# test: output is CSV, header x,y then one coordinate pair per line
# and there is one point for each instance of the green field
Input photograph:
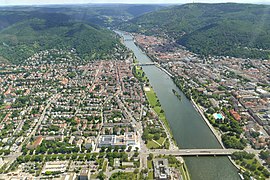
x,y
122,175
151,175
153,101
152,145
149,164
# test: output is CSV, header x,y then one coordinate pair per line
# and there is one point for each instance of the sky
x,y
42,2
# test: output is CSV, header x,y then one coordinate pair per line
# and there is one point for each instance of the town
x,y
231,94
65,118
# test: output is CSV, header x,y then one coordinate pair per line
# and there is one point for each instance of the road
x,y
193,152
12,157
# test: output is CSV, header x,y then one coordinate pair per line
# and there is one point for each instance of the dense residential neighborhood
x,y
79,119
134,90
231,93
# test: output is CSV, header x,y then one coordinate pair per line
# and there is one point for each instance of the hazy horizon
x,y
59,2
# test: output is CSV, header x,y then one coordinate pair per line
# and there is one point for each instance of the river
x,y
188,127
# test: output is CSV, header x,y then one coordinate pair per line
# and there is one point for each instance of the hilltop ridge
x,y
230,29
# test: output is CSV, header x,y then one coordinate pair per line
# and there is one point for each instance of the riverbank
x,y
217,135
152,99
189,130
154,103
159,112
213,130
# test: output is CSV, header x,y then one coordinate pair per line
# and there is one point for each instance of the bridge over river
x,y
194,152
145,64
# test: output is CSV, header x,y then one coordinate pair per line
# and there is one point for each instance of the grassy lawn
x,y
151,96
124,175
140,74
151,175
249,164
153,100
149,164
152,145
104,166
94,176
161,140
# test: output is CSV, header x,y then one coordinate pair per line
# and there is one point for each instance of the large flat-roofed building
x,y
84,174
106,140
161,169
54,166
128,139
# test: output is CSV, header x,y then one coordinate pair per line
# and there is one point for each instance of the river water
x,y
188,127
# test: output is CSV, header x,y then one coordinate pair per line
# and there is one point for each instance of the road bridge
x,y
144,64
195,152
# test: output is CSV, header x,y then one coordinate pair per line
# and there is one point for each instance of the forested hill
x,y
25,30
99,14
240,30
23,39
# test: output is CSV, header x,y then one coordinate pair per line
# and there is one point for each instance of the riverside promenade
x,y
214,131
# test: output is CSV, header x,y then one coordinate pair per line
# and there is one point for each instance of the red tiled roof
x,y
235,115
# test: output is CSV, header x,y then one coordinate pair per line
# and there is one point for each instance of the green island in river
x,y
176,94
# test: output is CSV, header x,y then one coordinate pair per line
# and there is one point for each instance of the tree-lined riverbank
x,y
188,128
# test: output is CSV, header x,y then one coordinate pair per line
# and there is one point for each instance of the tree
x,y
136,171
47,173
109,149
129,148
264,154
102,149
150,157
136,154
145,170
27,158
101,175
116,148
156,136
266,173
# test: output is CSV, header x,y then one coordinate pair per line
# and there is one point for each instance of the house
x,y
235,115
84,174
36,143
161,169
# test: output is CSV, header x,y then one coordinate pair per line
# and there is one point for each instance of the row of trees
x,y
231,127
249,162
56,147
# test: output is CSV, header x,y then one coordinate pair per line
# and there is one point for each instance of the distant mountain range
x,y
99,14
23,39
230,29
25,30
